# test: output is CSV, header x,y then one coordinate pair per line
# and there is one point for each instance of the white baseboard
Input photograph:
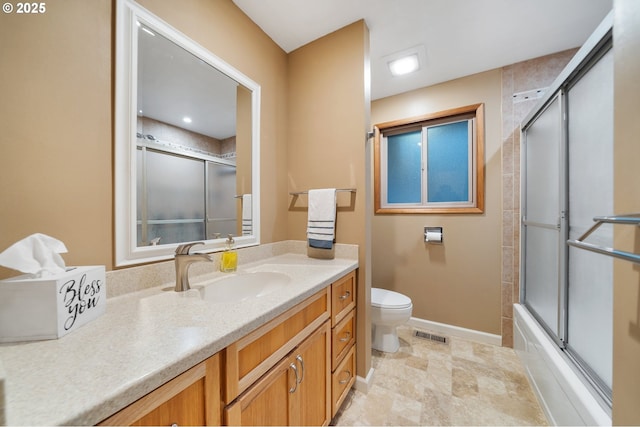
x,y
363,384
456,331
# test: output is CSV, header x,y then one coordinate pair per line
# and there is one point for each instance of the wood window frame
x,y
477,111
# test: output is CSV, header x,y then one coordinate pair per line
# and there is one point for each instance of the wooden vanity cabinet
x,y
294,392
343,332
280,374
193,398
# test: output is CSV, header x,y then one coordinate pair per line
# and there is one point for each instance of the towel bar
x,y
632,219
297,193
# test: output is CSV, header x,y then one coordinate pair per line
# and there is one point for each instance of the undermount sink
x,y
241,286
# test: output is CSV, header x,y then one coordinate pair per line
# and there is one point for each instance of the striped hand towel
x,y
247,221
321,222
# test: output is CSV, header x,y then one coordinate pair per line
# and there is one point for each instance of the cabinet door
x,y
192,398
267,402
294,392
311,400
184,409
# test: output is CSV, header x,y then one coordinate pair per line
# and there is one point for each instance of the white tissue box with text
x,y
50,307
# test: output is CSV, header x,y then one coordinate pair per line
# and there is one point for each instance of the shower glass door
x,y
590,275
221,201
567,176
541,217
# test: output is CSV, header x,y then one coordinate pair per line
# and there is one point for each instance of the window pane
x,y
403,168
448,162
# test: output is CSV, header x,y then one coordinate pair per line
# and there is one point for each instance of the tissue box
x,y
51,307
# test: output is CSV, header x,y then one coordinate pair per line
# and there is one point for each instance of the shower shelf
x,y
631,219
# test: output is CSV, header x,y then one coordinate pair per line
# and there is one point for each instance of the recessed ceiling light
x,y
404,65
186,119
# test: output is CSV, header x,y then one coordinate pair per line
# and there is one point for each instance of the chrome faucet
x,y
183,261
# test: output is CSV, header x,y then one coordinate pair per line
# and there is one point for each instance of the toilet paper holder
x,y
433,235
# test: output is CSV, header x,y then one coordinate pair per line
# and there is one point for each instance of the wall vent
x,y
428,336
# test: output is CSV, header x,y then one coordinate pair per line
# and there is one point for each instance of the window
x,y
431,164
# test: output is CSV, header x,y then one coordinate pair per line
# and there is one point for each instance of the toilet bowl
x,y
388,311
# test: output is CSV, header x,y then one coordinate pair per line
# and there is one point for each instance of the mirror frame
x,y
126,250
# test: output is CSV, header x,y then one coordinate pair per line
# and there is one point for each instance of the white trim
x,y
364,384
126,250
456,331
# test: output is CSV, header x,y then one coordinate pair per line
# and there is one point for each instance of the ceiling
x,y
173,84
457,37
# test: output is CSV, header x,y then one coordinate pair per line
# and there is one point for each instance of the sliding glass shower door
x,y
567,176
541,216
590,275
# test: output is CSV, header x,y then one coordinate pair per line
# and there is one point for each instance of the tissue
x,y
38,255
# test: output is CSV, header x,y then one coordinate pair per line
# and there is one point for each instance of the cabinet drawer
x,y
342,380
343,336
251,356
343,297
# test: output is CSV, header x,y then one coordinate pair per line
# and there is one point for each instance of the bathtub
x,y
563,395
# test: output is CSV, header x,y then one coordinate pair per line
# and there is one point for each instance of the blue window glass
x,y
448,162
404,160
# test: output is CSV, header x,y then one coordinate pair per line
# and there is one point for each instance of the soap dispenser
x,y
229,260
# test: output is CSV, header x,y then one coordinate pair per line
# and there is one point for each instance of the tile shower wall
x,y
520,85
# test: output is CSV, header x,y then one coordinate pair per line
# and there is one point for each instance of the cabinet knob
x,y
347,336
348,377
344,296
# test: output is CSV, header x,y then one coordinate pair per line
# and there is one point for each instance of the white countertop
x,y
143,340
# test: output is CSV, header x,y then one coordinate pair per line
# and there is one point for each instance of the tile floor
x,y
429,383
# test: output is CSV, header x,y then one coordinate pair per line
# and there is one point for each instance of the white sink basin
x,y
242,286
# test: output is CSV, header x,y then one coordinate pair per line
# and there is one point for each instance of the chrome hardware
x,y
299,359
345,296
347,337
296,382
339,190
348,377
183,260
630,219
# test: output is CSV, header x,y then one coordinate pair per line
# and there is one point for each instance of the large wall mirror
x,y
186,143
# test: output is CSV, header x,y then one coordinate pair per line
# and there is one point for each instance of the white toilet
x,y
388,311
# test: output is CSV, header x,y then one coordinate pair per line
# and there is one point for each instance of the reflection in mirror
x,y
190,138
186,141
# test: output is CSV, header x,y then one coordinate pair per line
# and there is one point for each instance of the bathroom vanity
x,y
163,357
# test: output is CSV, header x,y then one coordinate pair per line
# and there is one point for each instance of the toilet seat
x,y
383,298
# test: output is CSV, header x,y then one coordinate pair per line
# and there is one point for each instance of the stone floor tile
x,y
460,382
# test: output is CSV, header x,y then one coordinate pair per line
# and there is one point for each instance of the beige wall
x,y
56,117
458,282
626,291
56,121
328,119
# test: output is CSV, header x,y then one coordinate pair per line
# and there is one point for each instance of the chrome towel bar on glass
x,y
297,193
632,219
